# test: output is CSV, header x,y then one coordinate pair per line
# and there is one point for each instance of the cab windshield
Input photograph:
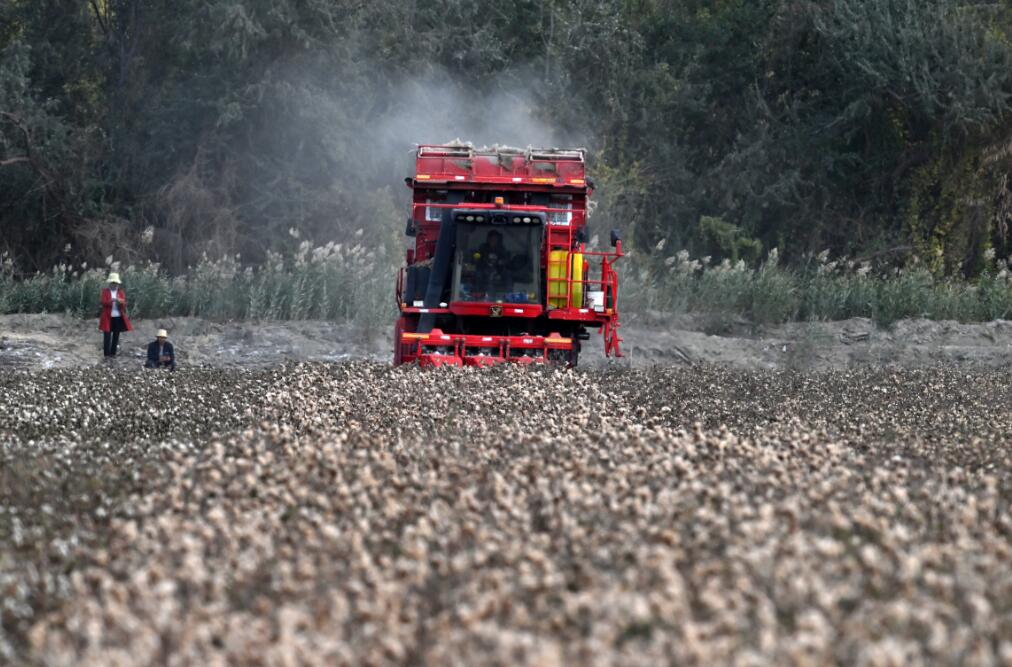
x,y
497,263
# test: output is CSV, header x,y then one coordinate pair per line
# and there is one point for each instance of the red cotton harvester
x,y
499,271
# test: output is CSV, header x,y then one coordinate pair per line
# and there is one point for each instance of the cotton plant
x,y
708,515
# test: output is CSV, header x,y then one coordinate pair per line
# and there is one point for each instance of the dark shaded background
x,y
878,129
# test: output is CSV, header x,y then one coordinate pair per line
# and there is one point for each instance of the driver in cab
x,y
493,264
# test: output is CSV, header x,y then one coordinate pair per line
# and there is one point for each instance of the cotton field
x,y
356,514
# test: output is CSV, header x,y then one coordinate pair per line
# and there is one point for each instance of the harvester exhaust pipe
x,y
440,271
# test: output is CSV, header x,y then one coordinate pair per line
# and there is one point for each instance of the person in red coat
x,y
112,319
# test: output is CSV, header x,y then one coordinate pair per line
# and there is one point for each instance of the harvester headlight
x,y
527,219
480,218
470,218
516,219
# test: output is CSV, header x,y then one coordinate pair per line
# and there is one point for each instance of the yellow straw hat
x,y
113,278
162,333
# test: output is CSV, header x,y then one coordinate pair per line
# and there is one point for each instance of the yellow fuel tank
x,y
557,286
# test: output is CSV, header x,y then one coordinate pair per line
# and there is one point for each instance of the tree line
x,y
170,129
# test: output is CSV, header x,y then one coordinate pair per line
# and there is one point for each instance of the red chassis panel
x,y
439,349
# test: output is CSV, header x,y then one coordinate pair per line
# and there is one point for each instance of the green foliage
x,y
332,282
823,290
727,128
727,240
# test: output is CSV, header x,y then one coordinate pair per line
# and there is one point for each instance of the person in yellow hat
x,y
160,352
112,317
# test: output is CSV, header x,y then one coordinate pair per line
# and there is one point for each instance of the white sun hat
x,y
113,278
162,333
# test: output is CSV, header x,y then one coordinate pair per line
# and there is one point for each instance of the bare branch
x,y
98,17
30,156
20,124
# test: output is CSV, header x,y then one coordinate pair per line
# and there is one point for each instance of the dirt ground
x,y
60,341
853,343
57,341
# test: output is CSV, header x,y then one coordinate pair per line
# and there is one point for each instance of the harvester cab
x,y
499,270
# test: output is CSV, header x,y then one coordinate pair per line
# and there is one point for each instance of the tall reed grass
x,y
354,283
340,282
820,290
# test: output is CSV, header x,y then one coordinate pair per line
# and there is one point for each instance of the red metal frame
x,y
441,349
484,180
464,164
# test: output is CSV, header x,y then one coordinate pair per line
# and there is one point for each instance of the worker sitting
x,y
161,353
493,264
